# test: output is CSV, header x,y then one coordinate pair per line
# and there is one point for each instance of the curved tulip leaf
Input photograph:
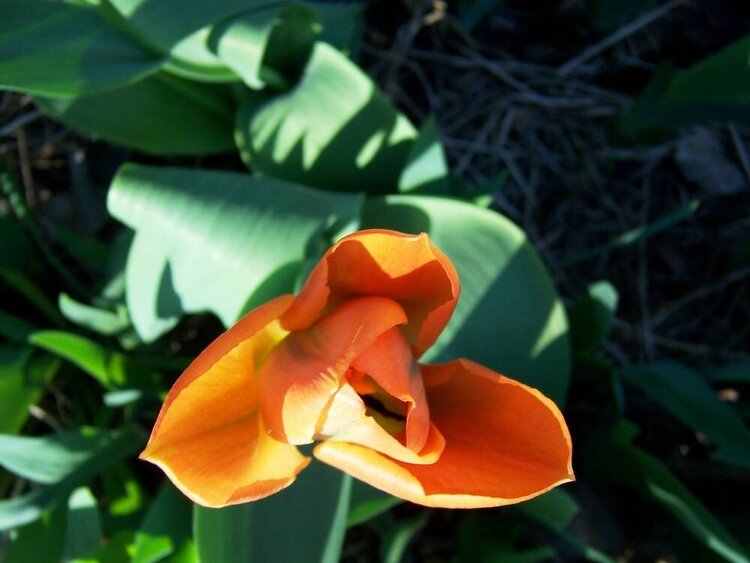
x,y
215,241
591,316
268,45
509,316
344,136
312,512
83,534
161,114
61,49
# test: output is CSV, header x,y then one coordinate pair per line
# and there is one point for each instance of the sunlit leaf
x,y
215,241
83,534
426,169
352,142
509,316
103,321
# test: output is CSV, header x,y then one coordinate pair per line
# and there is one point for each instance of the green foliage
x,y
509,317
718,87
328,153
312,511
215,241
357,142
162,114
62,50
685,394
647,476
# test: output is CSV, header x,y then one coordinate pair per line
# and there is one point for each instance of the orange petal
x,y
406,268
303,373
390,363
504,443
209,438
346,420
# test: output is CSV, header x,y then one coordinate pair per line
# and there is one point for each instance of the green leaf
x,y
83,535
23,378
103,321
591,316
165,527
509,316
336,142
555,509
215,241
716,88
110,368
609,455
686,395
164,23
368,502
48,531
110,448
161,114
59,49
269,45
48,459
426,168
305,522
398,535
735,373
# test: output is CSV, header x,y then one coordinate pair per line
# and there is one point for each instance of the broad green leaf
x,y
83,535
58,49
304,522
351,142
509,316
165,527
48,459
269,45
717,87
368,502
685,394
48,531
426,168
648,476
103,321
116,550
161,114
110,368
114,446
164,23
216,241
22,381
591,316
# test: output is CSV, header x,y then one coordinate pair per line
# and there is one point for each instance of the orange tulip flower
x,y
338,364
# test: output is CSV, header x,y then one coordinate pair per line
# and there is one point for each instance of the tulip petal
x,y
346,420
504,443
389,362
209,438
405,268
301,376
